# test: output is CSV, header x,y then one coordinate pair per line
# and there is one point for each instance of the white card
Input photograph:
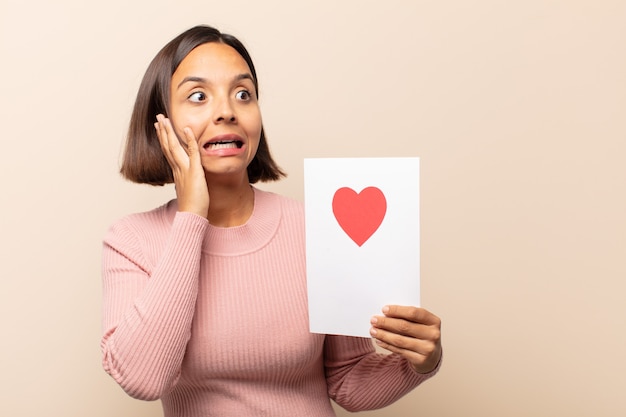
x,y
362,240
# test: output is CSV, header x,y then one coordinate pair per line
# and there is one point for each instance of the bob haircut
x,y
143,160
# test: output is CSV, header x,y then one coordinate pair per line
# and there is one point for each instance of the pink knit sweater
x,y
213,321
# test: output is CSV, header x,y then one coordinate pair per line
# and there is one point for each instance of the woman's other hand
x,y
413,332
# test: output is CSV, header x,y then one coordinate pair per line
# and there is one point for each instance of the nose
x,y
224,112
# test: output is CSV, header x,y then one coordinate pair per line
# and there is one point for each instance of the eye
x,y
197,97
243,95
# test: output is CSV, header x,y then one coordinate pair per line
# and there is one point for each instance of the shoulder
x,y
136,227
151,219
143,236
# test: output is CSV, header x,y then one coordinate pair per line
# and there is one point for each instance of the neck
x,y
230,204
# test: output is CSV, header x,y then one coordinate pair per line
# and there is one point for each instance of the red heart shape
x,y
359,215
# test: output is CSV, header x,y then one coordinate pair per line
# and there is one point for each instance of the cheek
x,y
178,129
257,138
256,126
181,122
254,144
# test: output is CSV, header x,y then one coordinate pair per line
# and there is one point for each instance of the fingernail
x,y
374,320
373,331
386,309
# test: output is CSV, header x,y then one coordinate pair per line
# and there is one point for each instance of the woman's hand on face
x,y
191,187
412,332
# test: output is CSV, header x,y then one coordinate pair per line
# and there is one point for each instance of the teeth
x,y
221,145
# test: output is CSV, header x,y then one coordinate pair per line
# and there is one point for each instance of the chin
x,y
216,172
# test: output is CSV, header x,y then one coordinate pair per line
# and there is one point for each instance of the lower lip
x,y
224,151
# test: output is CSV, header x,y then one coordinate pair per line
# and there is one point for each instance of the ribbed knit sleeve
x,y
148,304
360,379
213,321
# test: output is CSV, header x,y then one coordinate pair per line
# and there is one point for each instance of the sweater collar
x,y
250,236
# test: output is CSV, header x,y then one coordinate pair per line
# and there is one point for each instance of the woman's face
x,y
212,92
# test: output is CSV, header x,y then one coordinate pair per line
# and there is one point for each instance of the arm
x,y
360,379
147,314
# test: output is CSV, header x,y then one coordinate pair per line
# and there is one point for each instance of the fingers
x,y
408,321
417,351
422,356
403,333
414,314
412,332
170,145
183,157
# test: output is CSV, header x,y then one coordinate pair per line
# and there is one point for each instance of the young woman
x,y
205,299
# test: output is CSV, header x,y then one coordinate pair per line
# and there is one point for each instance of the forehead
x,y
212,60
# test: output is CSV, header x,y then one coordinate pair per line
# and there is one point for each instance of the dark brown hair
x,y
143,161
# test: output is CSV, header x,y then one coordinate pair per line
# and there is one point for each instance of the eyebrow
x,y
244,76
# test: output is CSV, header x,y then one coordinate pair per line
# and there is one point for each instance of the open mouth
x,y
226,144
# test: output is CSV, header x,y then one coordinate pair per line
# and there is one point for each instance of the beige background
x,y
515,107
